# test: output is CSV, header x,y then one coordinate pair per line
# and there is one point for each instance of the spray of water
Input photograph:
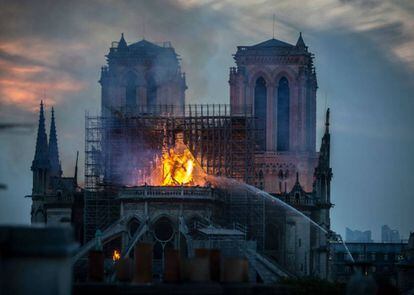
x,y
229,183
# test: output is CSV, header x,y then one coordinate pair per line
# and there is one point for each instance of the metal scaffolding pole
x,y
119,149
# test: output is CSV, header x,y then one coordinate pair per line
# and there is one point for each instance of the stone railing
x,y
167,192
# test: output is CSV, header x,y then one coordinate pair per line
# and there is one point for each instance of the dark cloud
x,y
18,59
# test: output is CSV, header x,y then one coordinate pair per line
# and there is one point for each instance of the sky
x,y
364,57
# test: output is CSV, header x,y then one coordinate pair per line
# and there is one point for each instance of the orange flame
x,y
116,256
178,167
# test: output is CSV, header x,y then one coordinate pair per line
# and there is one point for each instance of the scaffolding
x,y
120,149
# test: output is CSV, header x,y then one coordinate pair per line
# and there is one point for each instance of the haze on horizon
x,y
364,57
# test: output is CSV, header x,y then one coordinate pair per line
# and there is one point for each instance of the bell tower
x,y
141,77
277,80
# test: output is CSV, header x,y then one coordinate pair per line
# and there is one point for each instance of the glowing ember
x,y
116,256
178,167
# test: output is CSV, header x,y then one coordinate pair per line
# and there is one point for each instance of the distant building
x,y
406,267
389,235
358,236
380,259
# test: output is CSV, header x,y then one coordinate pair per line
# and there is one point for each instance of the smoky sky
x,y
364,57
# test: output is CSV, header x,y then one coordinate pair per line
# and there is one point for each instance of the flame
x,y
177,166
116,256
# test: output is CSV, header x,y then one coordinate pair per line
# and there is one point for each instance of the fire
x,y
116,256
178,166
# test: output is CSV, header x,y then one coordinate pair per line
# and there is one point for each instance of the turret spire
x,y
55,169
122,43
300,43
324,154
327,121
41,158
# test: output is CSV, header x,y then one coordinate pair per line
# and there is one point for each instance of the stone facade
x,y
380,259
278,80
141,76
288,74
169,204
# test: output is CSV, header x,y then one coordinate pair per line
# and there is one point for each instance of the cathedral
x,y
155,166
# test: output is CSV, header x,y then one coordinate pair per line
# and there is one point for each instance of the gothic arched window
x,y
260,105
283,100
131,90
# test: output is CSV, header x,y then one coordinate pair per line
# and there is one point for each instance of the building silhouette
x,y
358,236
389,235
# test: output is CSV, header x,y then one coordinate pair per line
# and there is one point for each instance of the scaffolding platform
x,y
119,149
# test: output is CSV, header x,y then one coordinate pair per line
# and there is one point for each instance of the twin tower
x,y
273,79
46,164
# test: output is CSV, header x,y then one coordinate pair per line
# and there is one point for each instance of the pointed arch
x,y
260,111
283,114
260,72
284,72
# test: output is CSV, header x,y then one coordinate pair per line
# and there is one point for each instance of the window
x,y
299,242
260,109
283,108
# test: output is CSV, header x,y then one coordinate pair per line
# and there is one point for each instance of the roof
x,y
144,48
144,44
271,43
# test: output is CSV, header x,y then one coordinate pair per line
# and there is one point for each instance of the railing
x,y
188,110
167,192
164,44
292,200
